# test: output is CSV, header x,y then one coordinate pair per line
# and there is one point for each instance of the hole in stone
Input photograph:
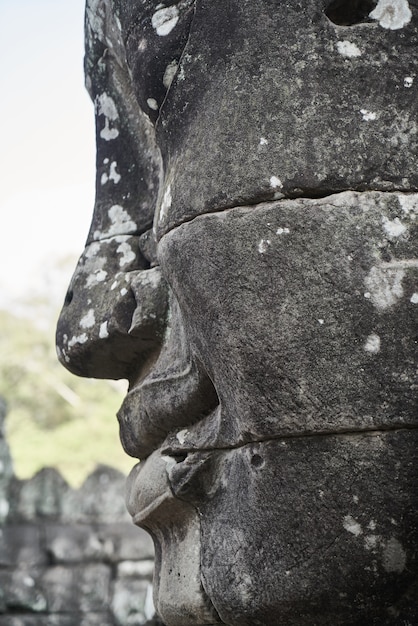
x,y
350,12
257,460
68,297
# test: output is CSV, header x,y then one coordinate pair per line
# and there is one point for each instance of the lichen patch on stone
x,y
103,331
348,49
394,556
393,228
368,116
88,320
372,344
164,20
106,106
263,245
352,526
384,286
392,14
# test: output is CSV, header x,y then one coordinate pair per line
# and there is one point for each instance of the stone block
x,y
129,543
75,543
79,588
21,544
99,499
104,542
22,589
40,497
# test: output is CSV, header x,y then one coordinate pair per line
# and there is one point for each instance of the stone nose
x,y
113,319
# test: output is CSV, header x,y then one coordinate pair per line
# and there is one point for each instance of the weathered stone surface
x,y
339,510
273,98
313,310
268,328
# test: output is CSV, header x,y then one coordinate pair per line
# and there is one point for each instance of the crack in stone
x,y
171,451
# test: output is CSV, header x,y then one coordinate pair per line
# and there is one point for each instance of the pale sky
x,y
47,153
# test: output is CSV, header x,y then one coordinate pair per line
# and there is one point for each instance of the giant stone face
x,y
251,268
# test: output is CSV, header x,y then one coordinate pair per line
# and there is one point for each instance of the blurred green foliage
x,y
55,418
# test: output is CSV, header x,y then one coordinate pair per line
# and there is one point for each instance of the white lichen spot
x,y
113,174
181,436
98,276
92,250
103,331
276,183
394,556
407,81
264,245
384,286
151,277
165,204
126,252
368,116
355,499
370,542
372,524
348,49
88,320
392,14
120,221
393,228
170,72
352,526
263,141
282,231
106,106
77,339
152,103
321,321
409,204
123,291
164,20
414,298
372,344
114,285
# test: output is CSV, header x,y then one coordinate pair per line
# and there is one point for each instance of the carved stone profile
x,y
251,268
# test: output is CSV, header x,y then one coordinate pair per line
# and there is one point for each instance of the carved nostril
x,y
349,12
68,297
179,457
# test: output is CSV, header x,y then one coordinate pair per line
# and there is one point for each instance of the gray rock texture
x,y
251,268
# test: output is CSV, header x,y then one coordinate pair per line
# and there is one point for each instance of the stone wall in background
x,y
70,557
